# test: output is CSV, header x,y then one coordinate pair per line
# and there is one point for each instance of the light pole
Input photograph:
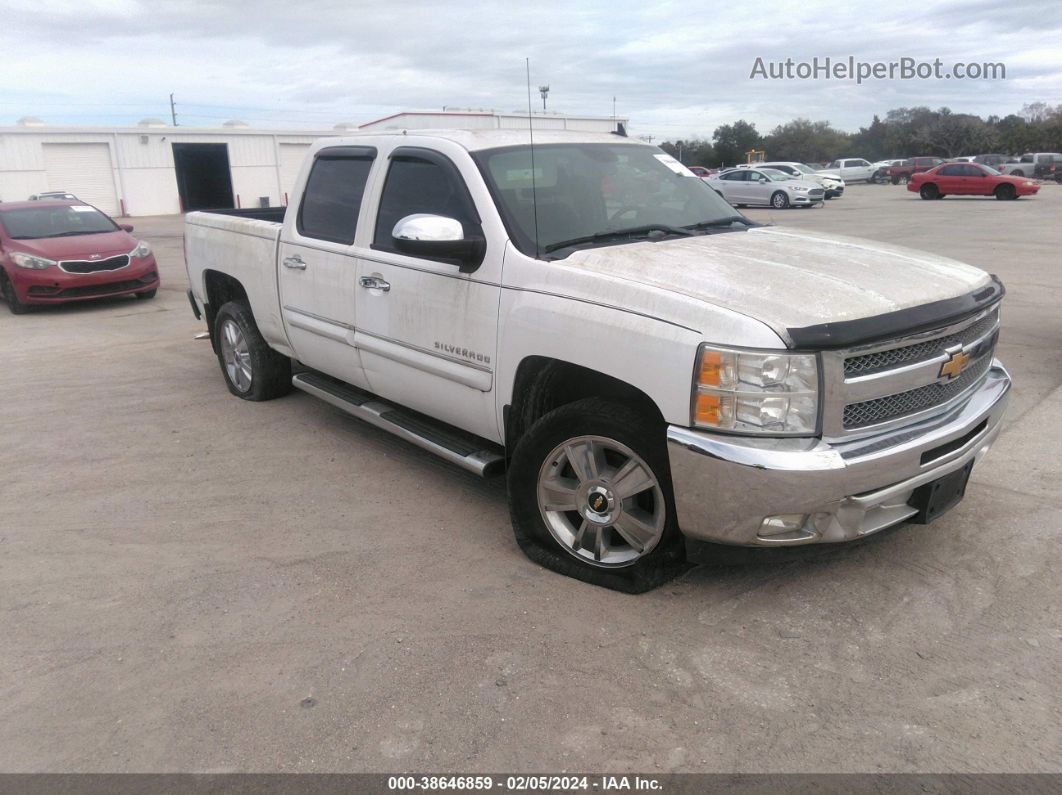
x,y
544,91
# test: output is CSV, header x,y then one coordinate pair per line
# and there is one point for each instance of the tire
x,y
929,191
10,298
895,179
628,543
251,369
779,200
1005,192
1017,173
148,294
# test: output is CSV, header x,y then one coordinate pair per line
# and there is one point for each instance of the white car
x,y
833,185
851,169
766,187
649,368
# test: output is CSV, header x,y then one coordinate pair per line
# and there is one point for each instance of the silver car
x,y
765,186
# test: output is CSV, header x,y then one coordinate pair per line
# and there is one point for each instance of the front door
x,y
318,269
427,332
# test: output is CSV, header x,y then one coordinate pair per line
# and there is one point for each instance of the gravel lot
x,y
190,582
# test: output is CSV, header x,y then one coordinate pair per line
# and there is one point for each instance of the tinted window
x,y
953,171
422,185
972,171
853,163
735,176
332,198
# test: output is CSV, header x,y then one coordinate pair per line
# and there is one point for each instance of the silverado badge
x,y
955,364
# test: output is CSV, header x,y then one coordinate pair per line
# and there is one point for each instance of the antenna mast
x,y
531,136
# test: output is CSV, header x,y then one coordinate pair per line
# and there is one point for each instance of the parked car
x,y
969,179
54,194
701,171
56,251
902,171
766,187
852,169
650,368
1042,165
881,166
833,186
995,161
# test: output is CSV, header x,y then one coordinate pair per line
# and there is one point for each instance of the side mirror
x,y
126,227
763,179
438,237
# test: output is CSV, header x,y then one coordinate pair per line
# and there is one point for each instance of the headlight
x,y
747,391
30,261
1028,183
798,187
142,250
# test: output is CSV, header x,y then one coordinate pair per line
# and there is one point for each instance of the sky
x,y
676,70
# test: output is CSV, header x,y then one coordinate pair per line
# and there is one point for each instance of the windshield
x,y
582,190
776,175
804,168
30,223
991,171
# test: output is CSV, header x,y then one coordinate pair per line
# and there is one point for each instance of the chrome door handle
x,y
294,262
375,283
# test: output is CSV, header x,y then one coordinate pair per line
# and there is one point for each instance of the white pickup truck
x,y
651,370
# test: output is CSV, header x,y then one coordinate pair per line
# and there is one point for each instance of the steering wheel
x,y
624,209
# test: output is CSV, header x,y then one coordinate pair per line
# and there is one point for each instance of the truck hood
x,y
788,278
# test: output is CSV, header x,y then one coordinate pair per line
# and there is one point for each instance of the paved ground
x,y
191,582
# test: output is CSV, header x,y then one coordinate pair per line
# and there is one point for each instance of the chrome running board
x,y
458,447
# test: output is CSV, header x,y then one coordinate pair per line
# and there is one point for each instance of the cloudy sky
x,y
676,69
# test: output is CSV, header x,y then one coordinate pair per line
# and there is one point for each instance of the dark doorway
x,y
203,178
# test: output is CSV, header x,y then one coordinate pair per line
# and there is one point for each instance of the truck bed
x,y
243,247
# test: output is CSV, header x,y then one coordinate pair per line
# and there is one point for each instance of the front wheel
x,y
252,370
10,298
590,496
928,191
779,200
1005,192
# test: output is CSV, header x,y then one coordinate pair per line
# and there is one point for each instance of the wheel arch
x,y
544,383
218,289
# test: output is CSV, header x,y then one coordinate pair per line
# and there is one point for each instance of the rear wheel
x,y
16,306
252,370
929,191
1005,192
590,496
1017,173
779,200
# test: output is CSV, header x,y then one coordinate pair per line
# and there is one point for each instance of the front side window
x,y
68,220
953,171
735,176
332,199
427,184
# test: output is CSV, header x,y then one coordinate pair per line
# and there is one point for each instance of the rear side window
x,y
953,171
422,183
332,199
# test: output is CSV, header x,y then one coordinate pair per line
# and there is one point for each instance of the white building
x,y
472,119
153,168
158,169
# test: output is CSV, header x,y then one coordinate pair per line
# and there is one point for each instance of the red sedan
x,y
52,252
969,179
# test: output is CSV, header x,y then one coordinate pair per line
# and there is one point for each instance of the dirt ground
x,y
190,582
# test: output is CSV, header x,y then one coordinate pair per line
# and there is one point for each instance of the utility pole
x,y
173,110
544,91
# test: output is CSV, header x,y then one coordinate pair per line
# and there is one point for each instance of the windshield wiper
x,y
730,219
613,234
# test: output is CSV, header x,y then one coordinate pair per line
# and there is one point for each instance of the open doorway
x,y
204,181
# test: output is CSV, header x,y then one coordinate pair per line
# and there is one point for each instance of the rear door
x,y
427,332
317,268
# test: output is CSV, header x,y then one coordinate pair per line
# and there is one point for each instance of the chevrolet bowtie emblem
x,y
955,364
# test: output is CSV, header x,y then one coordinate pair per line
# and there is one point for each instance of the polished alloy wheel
x,y
235,355
601,501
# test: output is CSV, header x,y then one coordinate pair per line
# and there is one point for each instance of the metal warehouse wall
x,y
142,175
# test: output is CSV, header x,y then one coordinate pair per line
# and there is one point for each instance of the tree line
x,y
904,132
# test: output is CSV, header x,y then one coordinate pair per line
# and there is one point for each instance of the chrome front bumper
x,y
725,486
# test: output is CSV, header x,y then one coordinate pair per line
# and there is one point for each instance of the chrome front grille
x,y
919,352
882,386
883,409
93,266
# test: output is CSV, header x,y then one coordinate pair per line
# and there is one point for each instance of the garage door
x,y
291,157
84,170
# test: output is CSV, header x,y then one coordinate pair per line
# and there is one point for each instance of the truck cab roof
x,y
476,140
